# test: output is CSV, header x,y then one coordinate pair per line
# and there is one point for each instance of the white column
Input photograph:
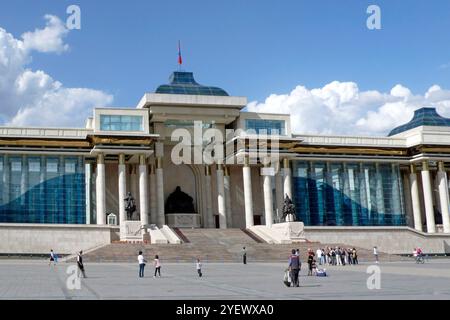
x,y
268,200
87,182
134,185
287,173
279,193
122,188
227,185
428,198
153,199
209,217
415,199
143,191
443,197
100,190
221,197
160,192
248,196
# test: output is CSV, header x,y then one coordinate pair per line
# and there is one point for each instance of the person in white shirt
x,y
199,268
52,258
319,255
141,262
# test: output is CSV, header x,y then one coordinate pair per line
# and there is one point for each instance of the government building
x,y
82,176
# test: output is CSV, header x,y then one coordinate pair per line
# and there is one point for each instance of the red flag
x,y
180,60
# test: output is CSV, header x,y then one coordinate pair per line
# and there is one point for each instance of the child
x,y
157,264
52,258
199,268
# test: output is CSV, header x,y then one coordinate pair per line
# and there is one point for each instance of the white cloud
x,y
29,97
341,108
49,39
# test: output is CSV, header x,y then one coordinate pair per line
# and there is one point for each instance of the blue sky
x,y
250,48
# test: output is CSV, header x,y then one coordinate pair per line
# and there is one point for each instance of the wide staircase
x,y
216,245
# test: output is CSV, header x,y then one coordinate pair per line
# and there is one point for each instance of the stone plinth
x,y
183,220
291,230
131,231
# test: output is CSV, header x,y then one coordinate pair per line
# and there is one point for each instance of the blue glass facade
x,y
350,194
261,126
121,123
42,189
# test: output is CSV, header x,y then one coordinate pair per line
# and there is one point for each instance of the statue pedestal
x,y
290,230
131,231
183,220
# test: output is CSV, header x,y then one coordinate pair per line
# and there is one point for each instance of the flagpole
x,y
180,59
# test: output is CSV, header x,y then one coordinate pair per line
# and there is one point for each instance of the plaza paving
x,y
261,281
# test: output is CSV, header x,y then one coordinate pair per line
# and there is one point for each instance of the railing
x,y
59,133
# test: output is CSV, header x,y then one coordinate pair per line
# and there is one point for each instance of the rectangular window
x,y
16,166
52,166
121,123
188,124
262,126
70,167
34,166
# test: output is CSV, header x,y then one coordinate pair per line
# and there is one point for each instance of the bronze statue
x,y
130,207
288,210
179,202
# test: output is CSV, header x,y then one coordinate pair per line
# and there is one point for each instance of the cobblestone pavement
x,y
399,280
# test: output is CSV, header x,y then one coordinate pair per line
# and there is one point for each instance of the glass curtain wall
x,y
42,189
348,194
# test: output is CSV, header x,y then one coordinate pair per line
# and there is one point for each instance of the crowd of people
x,y
334,256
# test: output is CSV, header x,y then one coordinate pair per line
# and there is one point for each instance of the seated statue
x,y
179,202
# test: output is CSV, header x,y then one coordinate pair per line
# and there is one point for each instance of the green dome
x,y
184,83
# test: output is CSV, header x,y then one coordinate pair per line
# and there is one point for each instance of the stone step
x,y
216,245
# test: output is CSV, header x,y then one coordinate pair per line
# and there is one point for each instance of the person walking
x,y
80,265
355,256
52,258
294,268
199,268
157,265
310,263
244,255
141,262
375,254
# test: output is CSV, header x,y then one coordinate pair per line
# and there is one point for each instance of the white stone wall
x,y
395,240
63,239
